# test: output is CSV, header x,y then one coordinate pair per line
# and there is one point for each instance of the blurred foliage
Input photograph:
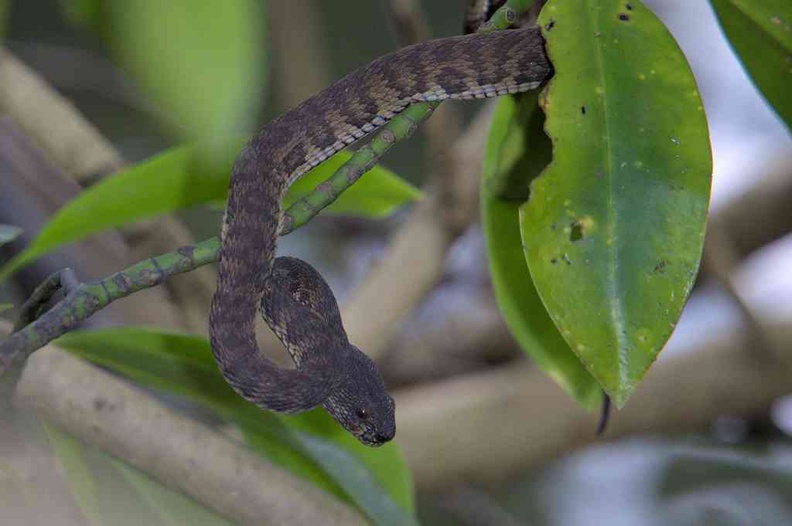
x,y
376,195
98,482
179,178
4,8
311,444
740,487
684,481
761,34
202,62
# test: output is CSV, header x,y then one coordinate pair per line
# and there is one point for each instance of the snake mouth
x,y
372,438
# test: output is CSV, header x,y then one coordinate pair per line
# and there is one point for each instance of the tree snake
x,y
293,298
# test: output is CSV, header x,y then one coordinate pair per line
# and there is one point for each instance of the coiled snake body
x,y
294,299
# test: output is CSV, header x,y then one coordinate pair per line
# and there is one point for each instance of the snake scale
x,y
292,297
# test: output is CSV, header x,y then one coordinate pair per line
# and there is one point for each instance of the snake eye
x,y
362,414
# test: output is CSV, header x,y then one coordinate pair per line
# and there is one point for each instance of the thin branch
x,y
55,123
88,298
406,17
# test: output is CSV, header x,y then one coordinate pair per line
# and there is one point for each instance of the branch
x,y
525,419
78,148
108,412
88,298
415,259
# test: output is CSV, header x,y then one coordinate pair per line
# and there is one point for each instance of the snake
x,y
291,296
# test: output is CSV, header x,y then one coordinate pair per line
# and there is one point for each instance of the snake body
x,y
294,299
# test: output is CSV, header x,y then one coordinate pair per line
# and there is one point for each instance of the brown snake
x,y
294,299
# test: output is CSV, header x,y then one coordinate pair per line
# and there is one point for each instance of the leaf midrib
x,y
613,286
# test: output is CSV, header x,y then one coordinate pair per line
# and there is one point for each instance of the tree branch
x,y
78,148
525,419
108,412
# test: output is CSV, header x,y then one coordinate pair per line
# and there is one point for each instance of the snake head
x,y
360,403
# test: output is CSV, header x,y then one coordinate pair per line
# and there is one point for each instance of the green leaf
x,y
83,12
201,61
70,454
179,178
761,34
5,7
105,488
8,233
377,481
516,151
170,507
614,227
377,194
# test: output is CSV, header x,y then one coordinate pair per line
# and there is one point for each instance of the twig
x,y
52,291
398,129
407,20
88,298
298,51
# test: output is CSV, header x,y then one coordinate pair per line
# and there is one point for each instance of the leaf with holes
x,y
517,150
614,228
761,34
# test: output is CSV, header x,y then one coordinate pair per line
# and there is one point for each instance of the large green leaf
x,y
179,178
311,445
516,151
104,488
614,227
761,33
201,61
375,195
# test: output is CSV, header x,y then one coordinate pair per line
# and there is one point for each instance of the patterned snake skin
x,y
294,299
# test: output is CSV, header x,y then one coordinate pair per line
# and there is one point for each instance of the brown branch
x,y
488,426
107,412
761,214
58,127
415,259
77,147
298,52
